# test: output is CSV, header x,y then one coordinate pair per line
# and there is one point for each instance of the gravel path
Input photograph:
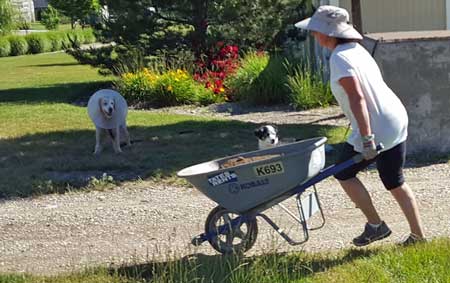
x,y
147,221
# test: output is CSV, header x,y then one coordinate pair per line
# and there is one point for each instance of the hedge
x,y
38,43
19,45
34,43
5,47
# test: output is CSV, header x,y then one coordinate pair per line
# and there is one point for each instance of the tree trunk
x,y
200,22
356,15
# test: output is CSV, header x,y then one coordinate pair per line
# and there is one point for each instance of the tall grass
x,y
307,89
272,79
260,79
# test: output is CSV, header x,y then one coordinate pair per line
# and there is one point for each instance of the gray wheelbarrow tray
x,y
248,189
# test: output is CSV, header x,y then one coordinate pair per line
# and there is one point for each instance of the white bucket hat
x,y
331,21
96,114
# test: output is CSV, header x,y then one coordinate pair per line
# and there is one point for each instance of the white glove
x,y
369,147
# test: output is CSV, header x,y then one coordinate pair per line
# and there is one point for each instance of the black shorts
x,y
389,164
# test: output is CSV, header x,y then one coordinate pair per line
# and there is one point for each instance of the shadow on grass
x,y
61,161
60,93
53,65
264,268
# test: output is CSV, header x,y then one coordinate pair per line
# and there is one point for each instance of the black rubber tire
x,y
247,237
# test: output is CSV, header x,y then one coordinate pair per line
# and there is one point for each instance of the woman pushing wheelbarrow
x,y
376,116
264,178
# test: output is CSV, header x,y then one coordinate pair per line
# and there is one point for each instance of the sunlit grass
x,y
422,263
44,135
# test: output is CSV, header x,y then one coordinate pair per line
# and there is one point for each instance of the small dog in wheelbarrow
x,y
268,138
108,111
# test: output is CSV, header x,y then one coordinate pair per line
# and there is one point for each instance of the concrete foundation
x,y
416,65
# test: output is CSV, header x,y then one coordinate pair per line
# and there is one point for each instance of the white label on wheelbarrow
x,y
222,178
269,169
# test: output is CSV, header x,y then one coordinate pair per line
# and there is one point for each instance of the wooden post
x,y
356,15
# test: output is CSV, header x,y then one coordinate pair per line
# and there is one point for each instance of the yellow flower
x,y
221,89
127,76
169,88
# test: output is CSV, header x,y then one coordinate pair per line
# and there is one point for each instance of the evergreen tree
x,y
254,23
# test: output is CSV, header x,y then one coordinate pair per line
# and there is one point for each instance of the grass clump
x,y
19,45
307,90
38,43
5,47
260,79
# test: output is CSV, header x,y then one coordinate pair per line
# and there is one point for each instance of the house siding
x,y
401,15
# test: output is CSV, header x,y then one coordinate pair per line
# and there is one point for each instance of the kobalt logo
x,y
222,178
235,188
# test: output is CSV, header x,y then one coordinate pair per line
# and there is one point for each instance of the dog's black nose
x,y
110,110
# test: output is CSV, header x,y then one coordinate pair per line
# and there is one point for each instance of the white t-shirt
x,y
388,117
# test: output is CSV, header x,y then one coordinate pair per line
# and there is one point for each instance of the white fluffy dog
x,y
267,136
108,111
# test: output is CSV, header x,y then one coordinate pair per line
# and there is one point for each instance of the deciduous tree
x,y
76,9
7,13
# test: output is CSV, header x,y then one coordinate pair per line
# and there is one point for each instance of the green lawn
x,y
40,26
422,263
46,141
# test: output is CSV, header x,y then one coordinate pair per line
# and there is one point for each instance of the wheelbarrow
x,y
247,184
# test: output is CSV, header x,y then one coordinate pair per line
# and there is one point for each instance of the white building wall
x,y
26,9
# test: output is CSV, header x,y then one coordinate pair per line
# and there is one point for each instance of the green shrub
x,y
50,18
173,87
24,25
65,42
56,40
19,45
75,38
38,43
307,89
260,79
88,35
5,47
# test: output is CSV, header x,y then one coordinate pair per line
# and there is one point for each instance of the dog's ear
x,y
259,132
100,101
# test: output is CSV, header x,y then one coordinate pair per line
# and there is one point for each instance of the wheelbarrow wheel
x,y
233,240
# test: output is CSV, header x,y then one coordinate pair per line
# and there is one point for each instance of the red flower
x,y
221,61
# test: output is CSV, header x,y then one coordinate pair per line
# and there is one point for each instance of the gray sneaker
x,y
412,240
372,234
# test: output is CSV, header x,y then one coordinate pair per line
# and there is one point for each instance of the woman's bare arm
x,y
357,104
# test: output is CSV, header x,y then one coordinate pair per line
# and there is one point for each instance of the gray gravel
x,y
146,221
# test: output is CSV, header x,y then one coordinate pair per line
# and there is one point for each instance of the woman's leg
x,y
390,166
360,196
405,198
